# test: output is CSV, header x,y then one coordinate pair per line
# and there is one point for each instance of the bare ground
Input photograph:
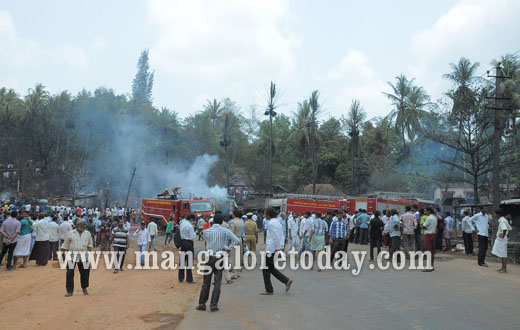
x,y
33,298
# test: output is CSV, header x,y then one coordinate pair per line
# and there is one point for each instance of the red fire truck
x,y
300,206
371,204
162,209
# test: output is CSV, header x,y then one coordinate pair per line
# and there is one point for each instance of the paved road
x,y
458,295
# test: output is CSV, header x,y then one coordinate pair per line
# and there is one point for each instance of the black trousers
x,y
269,261
186,245
482,249
84,274
375,243
396,243
168,238
468,242
206,284
9,249
364,235
53,250
338,244
438,240
120,257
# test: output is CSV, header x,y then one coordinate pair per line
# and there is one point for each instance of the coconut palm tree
x,y
353,121
463,75
417,103
398,98
214,110
301,135
315,110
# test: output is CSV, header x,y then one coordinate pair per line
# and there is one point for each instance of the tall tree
x,y
143,81
353,121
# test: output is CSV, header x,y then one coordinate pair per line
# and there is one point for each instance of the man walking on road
x,y
80,241
480,222
187,237
143,239
274,243
152,229
168,232
120,242
216,239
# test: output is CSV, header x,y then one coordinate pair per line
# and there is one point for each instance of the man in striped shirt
x,y
120,242
338,234
217,239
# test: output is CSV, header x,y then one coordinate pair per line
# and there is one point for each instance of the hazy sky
x,y
233,48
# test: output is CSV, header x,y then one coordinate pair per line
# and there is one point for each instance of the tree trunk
x,y
475,189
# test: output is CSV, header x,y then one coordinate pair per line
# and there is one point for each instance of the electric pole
x,y
497,136
130,185
271,105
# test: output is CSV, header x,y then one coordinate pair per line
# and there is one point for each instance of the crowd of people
x,y
40,232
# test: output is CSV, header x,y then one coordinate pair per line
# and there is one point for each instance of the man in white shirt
x,y
187,237
305,231
293,224
40,251
54,236
480,222
143,239
430,228
274,243
152,229
467,232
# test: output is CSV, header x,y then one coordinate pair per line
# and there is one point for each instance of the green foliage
x,y
107,134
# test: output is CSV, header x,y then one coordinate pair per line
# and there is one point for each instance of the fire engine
x,y
304,203
162,209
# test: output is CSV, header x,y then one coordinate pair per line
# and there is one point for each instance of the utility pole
x,y
497,136
271,105
130,185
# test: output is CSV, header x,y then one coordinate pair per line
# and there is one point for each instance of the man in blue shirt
x,y
480,222
363,220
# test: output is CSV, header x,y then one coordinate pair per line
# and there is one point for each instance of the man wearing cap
x,y
251,233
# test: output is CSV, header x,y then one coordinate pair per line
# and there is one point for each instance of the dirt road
x,y
33,298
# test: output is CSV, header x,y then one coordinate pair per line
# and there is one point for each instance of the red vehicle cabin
x,y
161,210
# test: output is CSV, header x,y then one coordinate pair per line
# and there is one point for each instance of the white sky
x,y
233,48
